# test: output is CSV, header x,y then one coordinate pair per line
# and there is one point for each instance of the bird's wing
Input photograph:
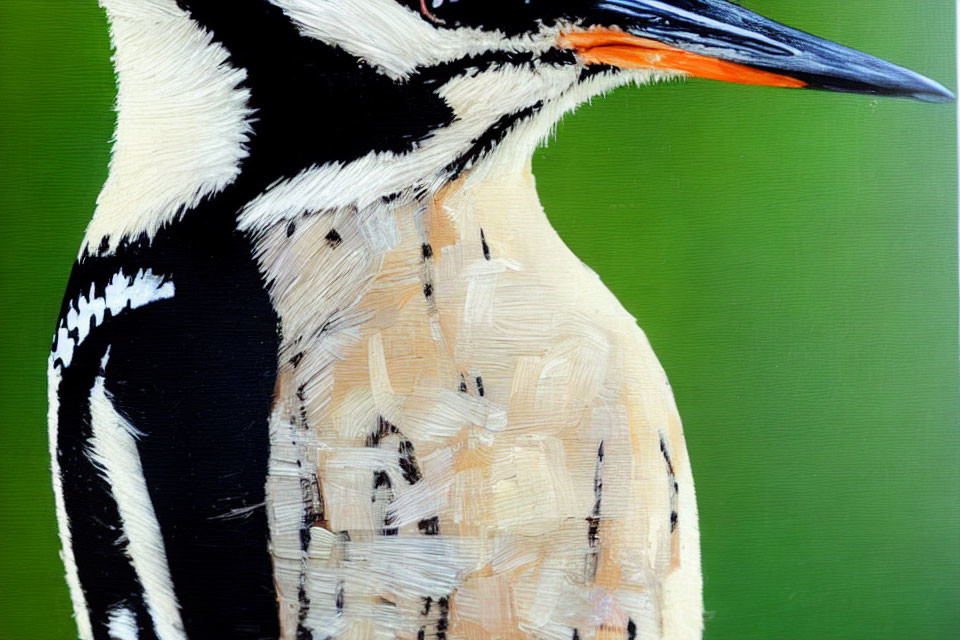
x,y
161,381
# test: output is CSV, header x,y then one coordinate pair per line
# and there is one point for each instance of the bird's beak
x,y
722,41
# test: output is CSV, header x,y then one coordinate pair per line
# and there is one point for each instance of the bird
x,y
323,369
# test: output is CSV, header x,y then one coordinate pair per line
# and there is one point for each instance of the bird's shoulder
x,y
162,376
176,313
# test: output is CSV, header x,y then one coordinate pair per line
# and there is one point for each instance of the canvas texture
x,y
790,255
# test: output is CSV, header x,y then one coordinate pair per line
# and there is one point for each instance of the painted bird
x,y
324,370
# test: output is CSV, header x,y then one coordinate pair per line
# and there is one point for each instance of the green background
x,y
792,256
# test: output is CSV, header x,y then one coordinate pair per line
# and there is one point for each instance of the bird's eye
x,y
426,11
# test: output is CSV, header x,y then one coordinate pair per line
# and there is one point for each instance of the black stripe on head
x,y
317,104
493,136
314,102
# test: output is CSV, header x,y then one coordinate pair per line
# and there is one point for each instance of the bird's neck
x,y
336,269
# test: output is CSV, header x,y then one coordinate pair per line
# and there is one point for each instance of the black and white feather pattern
x,y
159,412
261,157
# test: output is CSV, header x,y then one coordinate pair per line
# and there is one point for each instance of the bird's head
x,y
349,102
710,39
445,84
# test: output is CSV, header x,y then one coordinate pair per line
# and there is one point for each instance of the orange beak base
x,y
619,49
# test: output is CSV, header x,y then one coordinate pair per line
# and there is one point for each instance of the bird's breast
x,y
471,437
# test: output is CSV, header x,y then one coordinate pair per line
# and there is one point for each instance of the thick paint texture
x,y
790,255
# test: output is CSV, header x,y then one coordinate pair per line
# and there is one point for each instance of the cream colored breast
x,y
472,438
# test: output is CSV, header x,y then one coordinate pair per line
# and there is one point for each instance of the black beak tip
x,y
910,84
885,79
933,92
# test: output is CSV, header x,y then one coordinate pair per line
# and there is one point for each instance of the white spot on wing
x,y
395,39
122,625
121,292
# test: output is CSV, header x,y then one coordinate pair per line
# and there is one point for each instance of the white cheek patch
x,y
395,39
381,32
120,294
